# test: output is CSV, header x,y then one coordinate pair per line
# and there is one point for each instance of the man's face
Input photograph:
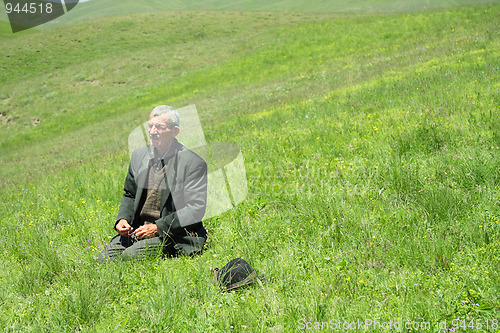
x,y
160,136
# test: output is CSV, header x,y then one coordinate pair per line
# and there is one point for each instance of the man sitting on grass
x,y
164,196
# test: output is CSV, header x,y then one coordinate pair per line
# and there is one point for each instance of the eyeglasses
x,y
159,127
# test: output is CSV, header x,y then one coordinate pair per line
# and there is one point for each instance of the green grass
x,y
371,146
104,8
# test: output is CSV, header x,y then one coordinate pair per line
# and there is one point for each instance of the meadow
x,y
371,146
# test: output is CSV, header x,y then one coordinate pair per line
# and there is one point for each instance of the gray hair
x,y
171,112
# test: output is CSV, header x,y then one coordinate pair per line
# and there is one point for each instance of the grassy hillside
x,y
371,144
101,8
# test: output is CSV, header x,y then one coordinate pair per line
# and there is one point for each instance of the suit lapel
x,y
142,177
170,172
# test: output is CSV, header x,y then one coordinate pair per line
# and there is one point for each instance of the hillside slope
x,y
371,145
101,8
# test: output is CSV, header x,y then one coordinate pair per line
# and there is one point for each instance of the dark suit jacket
x,y
183,197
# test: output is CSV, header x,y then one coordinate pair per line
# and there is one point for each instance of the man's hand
x,y
123,228
146,231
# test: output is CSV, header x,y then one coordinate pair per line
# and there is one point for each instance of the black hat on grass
x,y
234,274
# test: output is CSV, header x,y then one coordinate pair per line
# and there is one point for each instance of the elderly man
x,y
164,196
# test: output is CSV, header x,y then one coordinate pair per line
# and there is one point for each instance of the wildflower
x,y
464,302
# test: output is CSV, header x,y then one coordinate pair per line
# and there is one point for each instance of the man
x,y
164,196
